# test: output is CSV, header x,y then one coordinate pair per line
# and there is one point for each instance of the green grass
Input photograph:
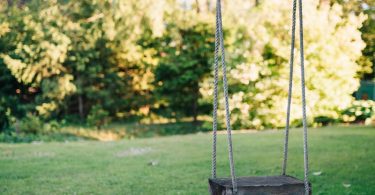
x,y
344,155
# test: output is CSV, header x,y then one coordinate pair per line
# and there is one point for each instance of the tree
x,y
258,56
111,59
186,52
77,54
37,56
178,77
367,60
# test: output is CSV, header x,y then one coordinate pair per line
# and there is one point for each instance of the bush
x,y
324,121
98,117
51,127
30,124
12,137
359,112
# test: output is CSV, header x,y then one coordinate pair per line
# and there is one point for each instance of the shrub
x,y
359,111
4,118
30,124
13,137
52,126
324,121
98,117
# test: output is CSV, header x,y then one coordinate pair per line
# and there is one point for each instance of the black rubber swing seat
x,y
259,185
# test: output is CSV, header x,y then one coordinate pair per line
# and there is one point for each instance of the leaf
x,y
318,173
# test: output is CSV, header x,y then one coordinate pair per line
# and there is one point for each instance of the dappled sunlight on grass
x,y
117,131
101,135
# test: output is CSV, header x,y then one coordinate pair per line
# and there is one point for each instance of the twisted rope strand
x,y
216,71
219,42
304,118
227,111
290,88
304,121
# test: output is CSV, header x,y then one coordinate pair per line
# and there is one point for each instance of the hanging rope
x,y
291,63
219,42
216,72
219,47
304,120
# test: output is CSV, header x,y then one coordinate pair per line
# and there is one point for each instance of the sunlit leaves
x,y
259,50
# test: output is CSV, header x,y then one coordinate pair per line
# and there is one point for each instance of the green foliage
x,y
13,102
367,60
368,31
259,50
37,59
111,66
142,58
4,117
359,111
186,53
30,124
13,137
98,117
324,121
66,55
34,52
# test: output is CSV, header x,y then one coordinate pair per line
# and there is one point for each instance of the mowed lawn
x,y
342,161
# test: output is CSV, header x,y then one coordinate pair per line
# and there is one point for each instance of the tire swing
x,y
280,184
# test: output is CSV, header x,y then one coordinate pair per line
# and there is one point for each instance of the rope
x,y
304,121
304,118
219,45
216,72
219,41
290,87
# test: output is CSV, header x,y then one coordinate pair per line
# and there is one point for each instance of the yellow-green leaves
x,y
259,61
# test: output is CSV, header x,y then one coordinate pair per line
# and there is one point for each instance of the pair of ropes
x,y
219,47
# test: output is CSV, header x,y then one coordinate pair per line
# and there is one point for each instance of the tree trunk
x,y
195,105
256,3
195,112
197,6
80,107
81,111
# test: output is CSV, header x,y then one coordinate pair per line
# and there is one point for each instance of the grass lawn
x,y
344,156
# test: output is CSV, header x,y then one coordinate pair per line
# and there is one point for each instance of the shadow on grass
x,y
111,132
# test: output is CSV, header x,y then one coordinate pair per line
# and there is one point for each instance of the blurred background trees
x,y
259,69
96,61
186,55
